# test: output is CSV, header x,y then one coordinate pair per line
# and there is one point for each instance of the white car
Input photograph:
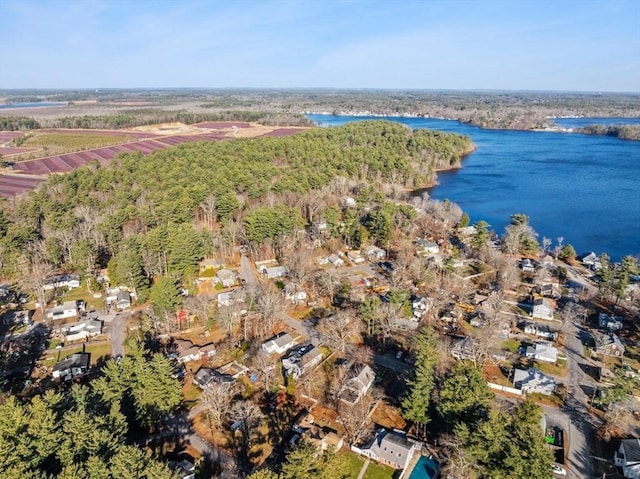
x,y
559,470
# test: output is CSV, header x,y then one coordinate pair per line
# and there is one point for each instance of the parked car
x,y
559,470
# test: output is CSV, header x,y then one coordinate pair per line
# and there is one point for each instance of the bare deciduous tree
x,y
217,399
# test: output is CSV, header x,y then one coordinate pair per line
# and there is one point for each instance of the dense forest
x,y
87,431
145,216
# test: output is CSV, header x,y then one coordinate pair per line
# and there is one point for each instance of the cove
x,y
583,188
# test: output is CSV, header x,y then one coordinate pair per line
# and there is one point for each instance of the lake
x,y
583,188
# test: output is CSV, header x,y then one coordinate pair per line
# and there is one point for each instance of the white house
x,y
426,247
17,317
123,300
542,331
73,366
419,306
355,257
543,351
335,260
226,299
527,266
82,330
390,448
70,281
68,309
374,253
348,202
274,271
533,381
628,458
279,344
226,277
542,308
294,293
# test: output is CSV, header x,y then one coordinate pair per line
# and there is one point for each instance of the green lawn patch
x,y
552,369
510,344
354,464
379,471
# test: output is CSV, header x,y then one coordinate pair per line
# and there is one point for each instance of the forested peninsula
x,y
264,187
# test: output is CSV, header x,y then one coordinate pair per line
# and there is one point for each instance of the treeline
x,y
146,216
151,116
625,132
86,432
15,123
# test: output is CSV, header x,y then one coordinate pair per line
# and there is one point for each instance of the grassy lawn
x,y
97,351
191,392
70,142
558,369
510,344
354,464
374,471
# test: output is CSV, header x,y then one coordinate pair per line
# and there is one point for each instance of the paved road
x,y
247,273
117,332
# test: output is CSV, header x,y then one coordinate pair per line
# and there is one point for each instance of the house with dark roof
x,y
611,323
390,448
72,366
206,376
301,360
627,457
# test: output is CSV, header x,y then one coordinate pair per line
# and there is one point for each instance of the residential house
x,y
540,330
542,351
301,360
335,260
186,351
206,376
208,350
419,306
527,266
226,277
22,318
611,323
70,281
426,247
226,299
608,344
373,253
275,271
68,309
590,260
533,381
542,309
233,369
123,300
465,348
358,281
72,366
627,457
357,386
355,257
82,330
322,437
390,448
6,293
279,344
295,293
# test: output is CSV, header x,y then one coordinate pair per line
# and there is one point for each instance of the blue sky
x,y
509,44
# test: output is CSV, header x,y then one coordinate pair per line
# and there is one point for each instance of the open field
x,y
11,185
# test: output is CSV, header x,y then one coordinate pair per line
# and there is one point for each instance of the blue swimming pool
x,y
426,468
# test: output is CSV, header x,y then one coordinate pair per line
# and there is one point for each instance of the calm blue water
x,y
32,104
425,469
583,188
582,122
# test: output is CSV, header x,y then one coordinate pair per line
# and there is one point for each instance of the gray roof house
x,y
68,309
123,300
542,351
608,344
627,457
533,381
301,360
226,277
279,344
358,386
542,308
390,448
274,271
